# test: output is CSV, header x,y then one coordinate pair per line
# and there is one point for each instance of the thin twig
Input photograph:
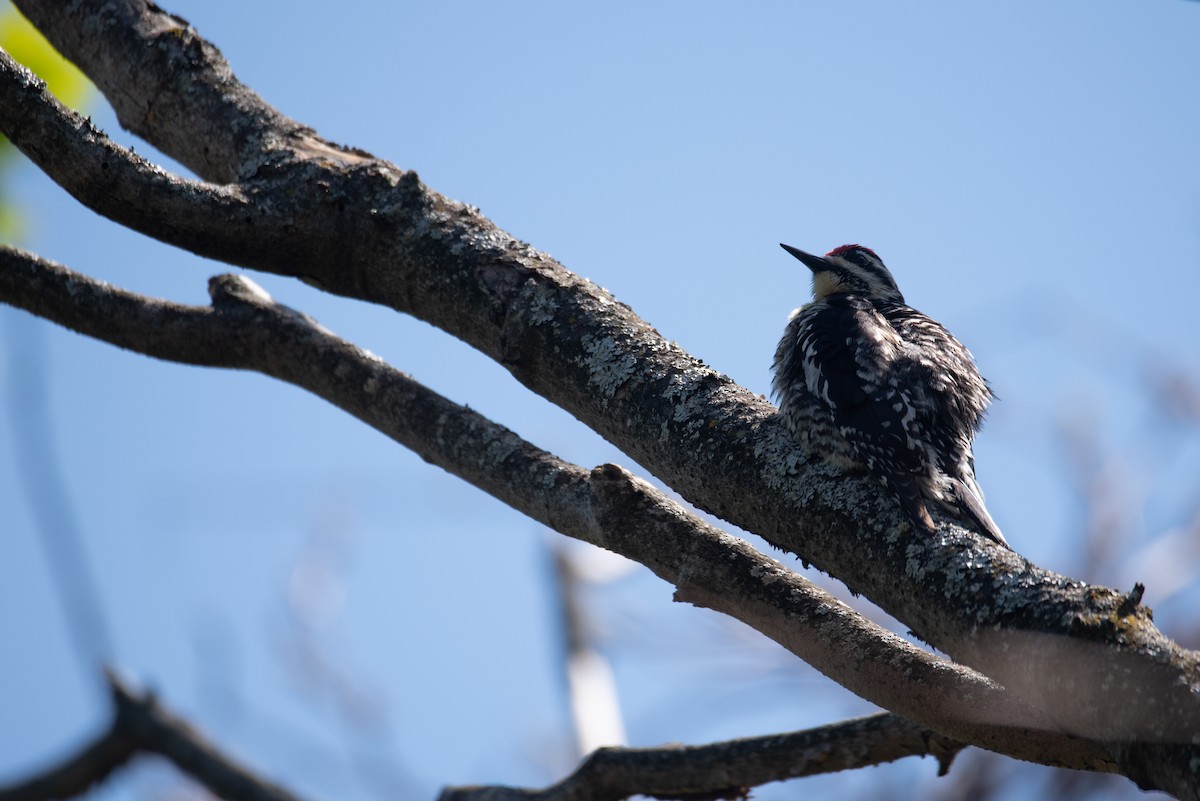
x,y
156,730
140,724
60,531
79,773
729,769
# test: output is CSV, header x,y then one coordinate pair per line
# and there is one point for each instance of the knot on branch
x,y
229,290
1133,600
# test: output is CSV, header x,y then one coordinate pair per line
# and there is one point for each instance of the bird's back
x,y
887,388
862,378
953,394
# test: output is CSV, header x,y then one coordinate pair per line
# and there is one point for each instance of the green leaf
x,y
24,43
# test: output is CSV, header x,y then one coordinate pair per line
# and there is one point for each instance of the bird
x,y
864,380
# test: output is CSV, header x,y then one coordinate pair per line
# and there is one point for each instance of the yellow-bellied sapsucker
x,y
863,379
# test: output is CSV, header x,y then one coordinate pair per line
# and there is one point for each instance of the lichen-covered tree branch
x,y
1045,668
245,329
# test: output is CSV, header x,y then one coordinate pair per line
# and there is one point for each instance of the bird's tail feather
x,y
961,502
966,504
908,492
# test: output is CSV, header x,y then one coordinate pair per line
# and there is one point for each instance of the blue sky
x,y
1028,171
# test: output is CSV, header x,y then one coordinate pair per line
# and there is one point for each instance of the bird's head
x,y
852,270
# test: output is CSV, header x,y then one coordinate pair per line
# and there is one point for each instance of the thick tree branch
x,y
246,329
388,239
730,769
142,59
250,224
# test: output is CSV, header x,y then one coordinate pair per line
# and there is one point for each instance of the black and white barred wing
x,y
849,354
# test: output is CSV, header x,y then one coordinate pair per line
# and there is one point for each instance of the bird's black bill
x,y
814,263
